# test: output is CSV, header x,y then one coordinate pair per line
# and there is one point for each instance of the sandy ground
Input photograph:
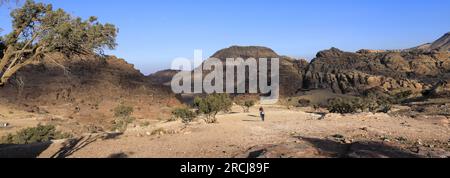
x,y
237,132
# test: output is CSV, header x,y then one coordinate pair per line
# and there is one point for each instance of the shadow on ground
x,y
361,149
23,151
119,155
74,145
307,147
68,148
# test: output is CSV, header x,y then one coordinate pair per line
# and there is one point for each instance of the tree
x,y
123,117
212,105
39,30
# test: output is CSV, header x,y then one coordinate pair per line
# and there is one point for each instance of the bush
x,y
145,124
123,111
123,118
342,106
162,131
402,96
121,124
304,103
185,114
246,104
211,105
354,105
385,108
37,134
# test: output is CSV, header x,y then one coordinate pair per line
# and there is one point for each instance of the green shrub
x,y
185,114
123,118
145,124
354,105
342,106
385,108
37,134
212,104
121,124
123,111
402,96
246,104
162,131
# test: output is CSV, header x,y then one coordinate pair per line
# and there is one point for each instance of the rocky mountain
x,y
290,69
442,44
163,77
355,72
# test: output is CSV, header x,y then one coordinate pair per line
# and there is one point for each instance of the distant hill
x,y
245,52
442,44
289,67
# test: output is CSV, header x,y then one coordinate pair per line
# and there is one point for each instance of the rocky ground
x,y
286,133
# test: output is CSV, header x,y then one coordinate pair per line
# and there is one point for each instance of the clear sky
x,y
154,32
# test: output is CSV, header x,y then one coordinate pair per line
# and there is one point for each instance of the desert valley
x,y
363,104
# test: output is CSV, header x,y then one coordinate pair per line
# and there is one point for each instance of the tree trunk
x,y
13,67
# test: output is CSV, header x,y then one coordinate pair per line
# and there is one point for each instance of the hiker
x,y
262,114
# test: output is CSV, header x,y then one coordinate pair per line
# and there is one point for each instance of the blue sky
x,y
154,32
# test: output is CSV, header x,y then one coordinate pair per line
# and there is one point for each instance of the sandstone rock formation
x,y
345,72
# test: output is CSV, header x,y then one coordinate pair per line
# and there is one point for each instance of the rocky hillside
x,y
442,44
85,88
418,69
354,72
163,78
345,72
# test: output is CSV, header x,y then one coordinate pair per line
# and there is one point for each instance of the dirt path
x,y
237,132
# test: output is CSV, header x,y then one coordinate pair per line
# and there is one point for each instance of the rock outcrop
x,y
345,72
